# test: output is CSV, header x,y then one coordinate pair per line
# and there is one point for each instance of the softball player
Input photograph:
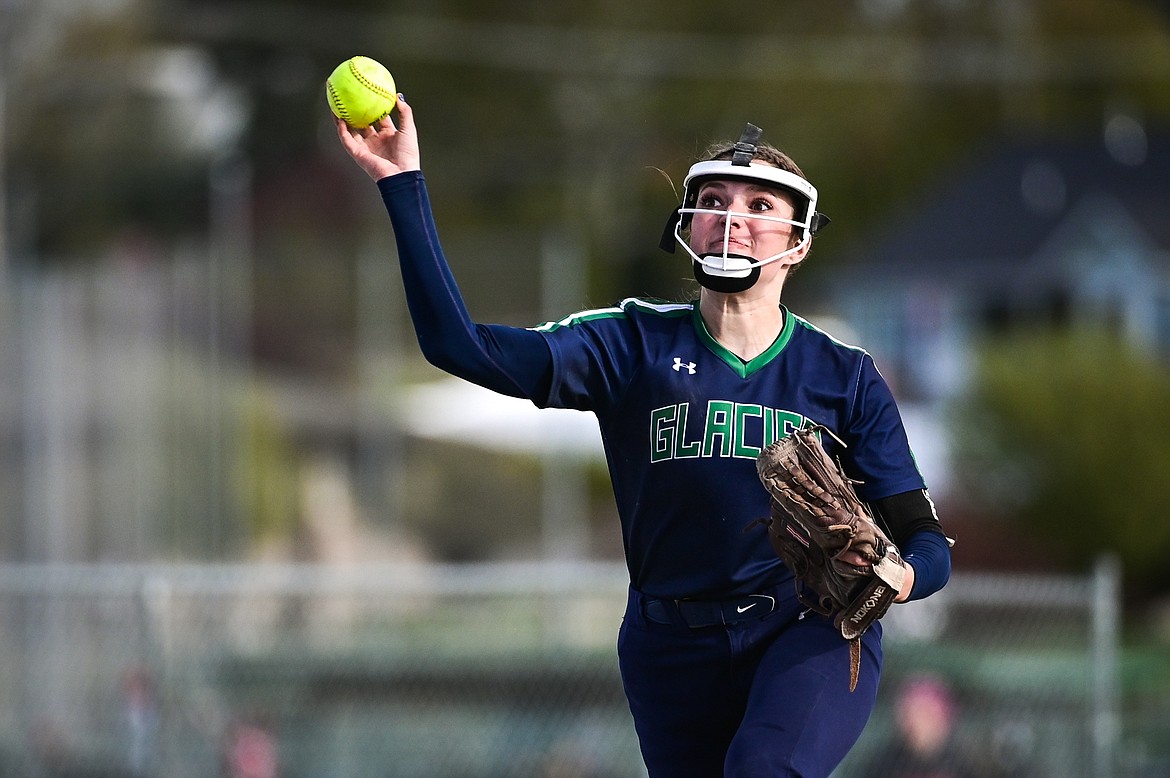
x,y
725,672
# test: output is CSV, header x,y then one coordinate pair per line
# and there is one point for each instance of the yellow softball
x,y
360,91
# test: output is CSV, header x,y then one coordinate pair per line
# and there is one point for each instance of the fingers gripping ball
x,y
360,91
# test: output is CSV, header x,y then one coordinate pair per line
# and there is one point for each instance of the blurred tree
x,y
1064,435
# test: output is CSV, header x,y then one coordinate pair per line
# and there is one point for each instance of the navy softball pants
x,y
760,697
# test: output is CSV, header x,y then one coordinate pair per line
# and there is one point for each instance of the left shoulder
x,y
822,347
816,334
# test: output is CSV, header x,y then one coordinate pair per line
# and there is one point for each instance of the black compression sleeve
x,y
912,523
901,515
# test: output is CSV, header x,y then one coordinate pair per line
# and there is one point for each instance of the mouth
x,y
716,246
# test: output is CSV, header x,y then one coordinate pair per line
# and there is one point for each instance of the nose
x,y
733,212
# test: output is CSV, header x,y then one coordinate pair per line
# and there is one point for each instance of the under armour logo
x,y
679,366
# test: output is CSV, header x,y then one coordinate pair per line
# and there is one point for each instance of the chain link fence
x,y
492,670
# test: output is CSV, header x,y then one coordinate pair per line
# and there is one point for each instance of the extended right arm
x,y
509,360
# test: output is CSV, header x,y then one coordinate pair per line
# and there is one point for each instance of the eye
x,y
709,200
761,204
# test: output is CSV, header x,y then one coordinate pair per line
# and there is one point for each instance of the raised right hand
x,y
383,149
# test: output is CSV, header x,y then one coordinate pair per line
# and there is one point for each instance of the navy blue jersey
x,y
681,417
683,420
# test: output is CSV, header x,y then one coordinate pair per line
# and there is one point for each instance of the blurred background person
x,y
925,743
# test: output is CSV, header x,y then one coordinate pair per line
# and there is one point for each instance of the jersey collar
x,y
744,369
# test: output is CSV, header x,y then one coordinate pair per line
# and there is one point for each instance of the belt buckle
x,y
656,610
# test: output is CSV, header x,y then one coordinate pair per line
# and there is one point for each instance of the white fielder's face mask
x,y
728,270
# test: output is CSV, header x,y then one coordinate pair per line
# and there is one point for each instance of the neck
x,y
745,324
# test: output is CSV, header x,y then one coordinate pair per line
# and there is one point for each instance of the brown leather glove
x,y
816,518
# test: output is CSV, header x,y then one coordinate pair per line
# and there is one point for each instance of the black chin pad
x,y
725,284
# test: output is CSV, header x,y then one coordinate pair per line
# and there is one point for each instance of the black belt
x,y
702,613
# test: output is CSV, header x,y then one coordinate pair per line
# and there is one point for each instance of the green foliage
x,y
1067,433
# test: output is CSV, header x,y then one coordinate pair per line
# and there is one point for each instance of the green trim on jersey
x,y
745,369
676,310
618,312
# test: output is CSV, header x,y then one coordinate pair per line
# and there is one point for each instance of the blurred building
x,y
1060,232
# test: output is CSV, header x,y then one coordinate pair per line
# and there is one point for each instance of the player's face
x,y
757,238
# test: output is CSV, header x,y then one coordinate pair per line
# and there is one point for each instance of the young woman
x,y
726,673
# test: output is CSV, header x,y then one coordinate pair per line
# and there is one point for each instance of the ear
x,y
798,257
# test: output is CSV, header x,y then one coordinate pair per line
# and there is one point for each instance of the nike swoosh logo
x,y
741,609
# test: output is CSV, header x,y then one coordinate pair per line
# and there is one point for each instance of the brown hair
x,y
765,152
